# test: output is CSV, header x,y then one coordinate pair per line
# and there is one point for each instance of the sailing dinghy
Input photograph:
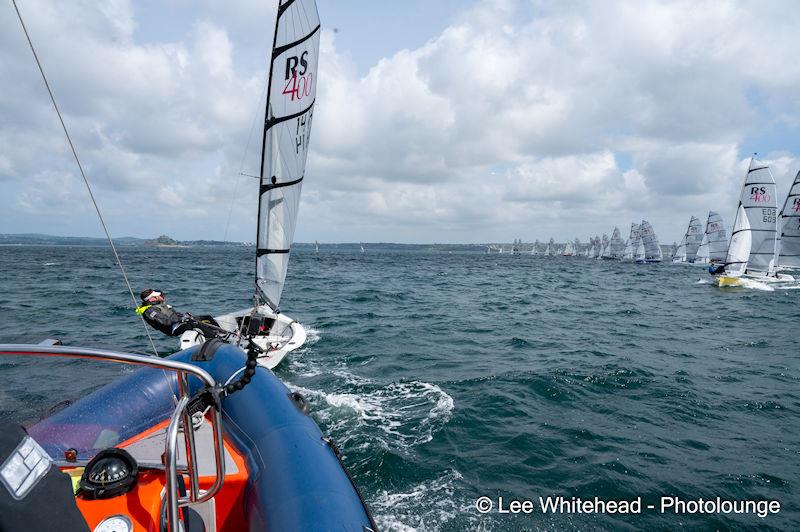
x,y
789,256
714,245
291,92
632,243
687,251
754,241
652,249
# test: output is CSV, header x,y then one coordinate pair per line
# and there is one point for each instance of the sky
x,y
446,121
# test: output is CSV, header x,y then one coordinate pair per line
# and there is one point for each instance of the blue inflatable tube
x,y
296,479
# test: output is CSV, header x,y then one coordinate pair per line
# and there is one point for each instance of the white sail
x,y
616,246
604,246
717,237
639,254
789,256
693,238
702,256
680,251
652,249
759,203
630,245
569,249
290,108
739,248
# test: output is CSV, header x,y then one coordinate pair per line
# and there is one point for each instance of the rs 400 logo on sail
x,y
298,80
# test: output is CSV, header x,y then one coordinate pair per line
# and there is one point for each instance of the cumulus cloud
x,y
519,119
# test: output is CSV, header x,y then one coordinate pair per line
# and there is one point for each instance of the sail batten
x,y
291,95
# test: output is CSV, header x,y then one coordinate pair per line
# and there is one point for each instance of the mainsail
x,y
717,237
702,256
739,249
290,108
632,243
604,246
693,238
652,250
615,246
680,252
790,227
758,202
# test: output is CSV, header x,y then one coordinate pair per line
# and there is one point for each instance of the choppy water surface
x,y
446,377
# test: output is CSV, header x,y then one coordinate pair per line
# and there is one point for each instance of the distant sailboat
x,y
632,245
551,248
362,247
714,246
569,250
615,247
652,249
603,246
687,251
754,241
316,246
789,254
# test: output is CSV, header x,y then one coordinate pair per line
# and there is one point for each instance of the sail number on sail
x,y
303,132
769,215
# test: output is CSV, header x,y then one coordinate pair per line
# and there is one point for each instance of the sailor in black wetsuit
x,y
161,316
164,318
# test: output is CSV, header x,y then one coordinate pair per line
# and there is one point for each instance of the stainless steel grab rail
x,y
179,417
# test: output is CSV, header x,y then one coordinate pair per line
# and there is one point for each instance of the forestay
x,y
290,108
790,227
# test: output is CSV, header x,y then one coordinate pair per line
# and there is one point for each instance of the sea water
x,y
445,378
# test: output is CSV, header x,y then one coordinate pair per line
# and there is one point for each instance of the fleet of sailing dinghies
x,y
790,228
289,111
753,249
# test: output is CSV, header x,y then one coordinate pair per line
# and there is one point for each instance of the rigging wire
x,y
83,174
239,174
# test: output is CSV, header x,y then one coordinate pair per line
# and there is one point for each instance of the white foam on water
x,y
425,506
50,264
398,414
312,336
755,285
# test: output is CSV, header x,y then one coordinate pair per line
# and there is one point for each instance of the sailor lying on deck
x,y
716,269
164,318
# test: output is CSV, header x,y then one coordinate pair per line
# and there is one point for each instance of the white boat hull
x,y
284,336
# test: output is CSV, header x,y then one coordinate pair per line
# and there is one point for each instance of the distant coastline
x,y
37,239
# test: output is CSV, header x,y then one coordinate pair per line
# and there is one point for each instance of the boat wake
x,y
359,410
428,505
399,414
